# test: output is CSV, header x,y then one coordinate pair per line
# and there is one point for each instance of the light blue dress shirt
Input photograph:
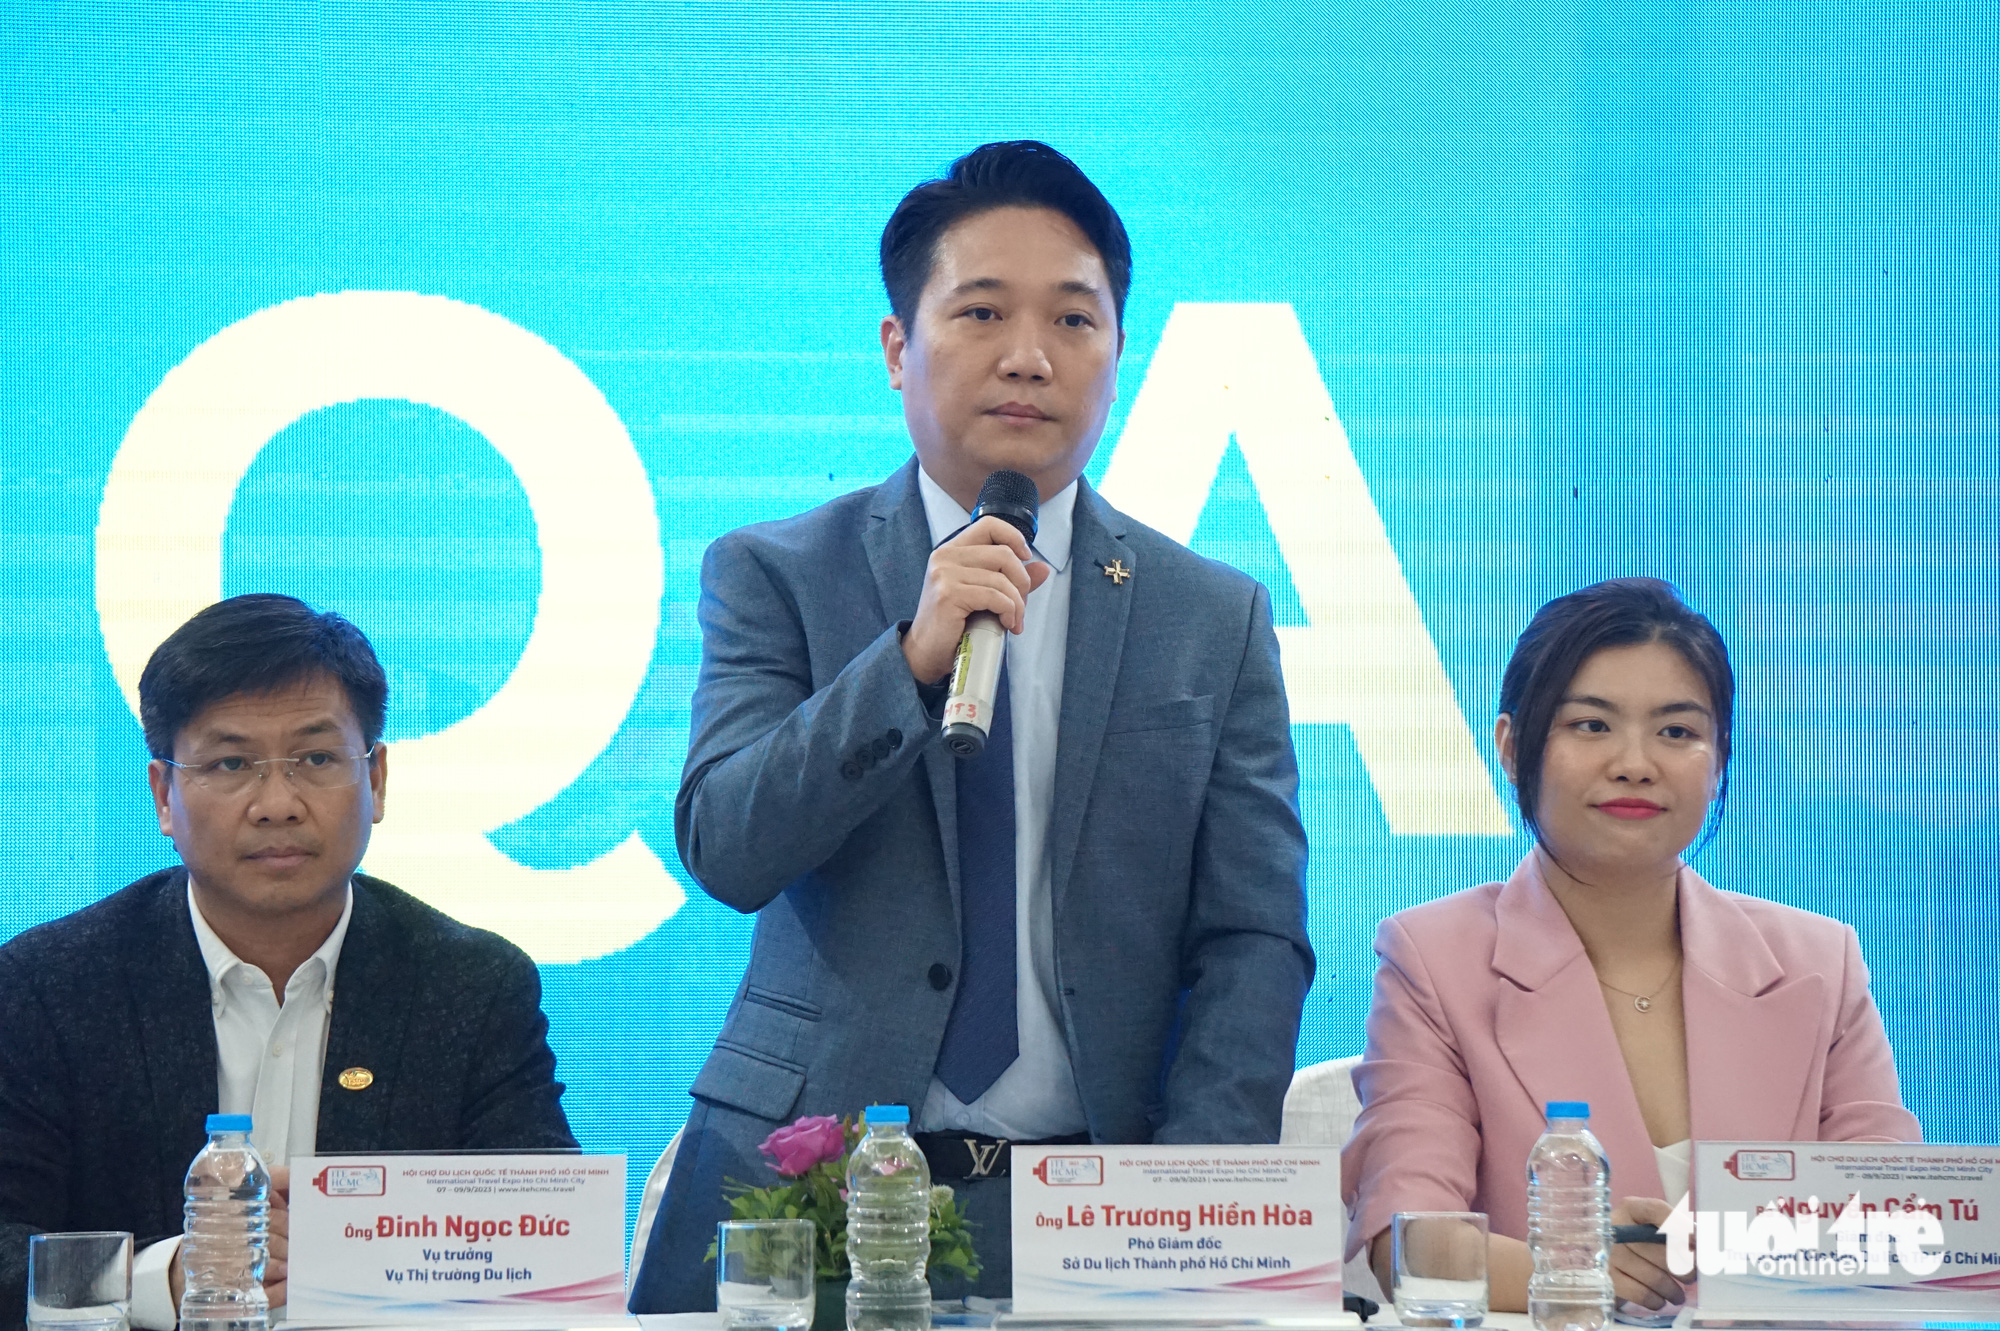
x,y
1036,1097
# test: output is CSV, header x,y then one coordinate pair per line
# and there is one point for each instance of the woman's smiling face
x,y
1630,765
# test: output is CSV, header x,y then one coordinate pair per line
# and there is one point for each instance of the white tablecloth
x,y
1386,1318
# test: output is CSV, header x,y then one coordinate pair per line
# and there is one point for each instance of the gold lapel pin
x,y
357,1079
1117,572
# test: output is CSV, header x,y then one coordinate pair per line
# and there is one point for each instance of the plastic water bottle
x,y
888,1226
224,1245
1569,1224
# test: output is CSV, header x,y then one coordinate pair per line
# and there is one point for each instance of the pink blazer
x,y
1486,1008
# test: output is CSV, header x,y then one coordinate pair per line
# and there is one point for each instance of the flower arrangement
x,y
810,1155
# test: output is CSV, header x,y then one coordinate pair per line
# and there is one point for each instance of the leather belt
x,y
958,1156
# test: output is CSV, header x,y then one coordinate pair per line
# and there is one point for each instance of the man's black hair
x,y
1622,612
256,644
1017,174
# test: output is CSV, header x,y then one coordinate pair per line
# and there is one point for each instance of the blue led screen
x,y
478,324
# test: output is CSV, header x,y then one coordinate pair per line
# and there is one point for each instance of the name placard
x,y
1162,1233
469,1238
1831,1231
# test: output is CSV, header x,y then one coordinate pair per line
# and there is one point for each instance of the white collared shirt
x,y
268,1063
259,1067
1036,1097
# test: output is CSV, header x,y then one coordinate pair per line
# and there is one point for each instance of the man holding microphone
x,y
1094,929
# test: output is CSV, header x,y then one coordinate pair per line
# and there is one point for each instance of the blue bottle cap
x,y
228,1123
886,1114
1569,1109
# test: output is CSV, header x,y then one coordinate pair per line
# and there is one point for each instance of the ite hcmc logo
x,y
1071,1171
352,1180
1785,1238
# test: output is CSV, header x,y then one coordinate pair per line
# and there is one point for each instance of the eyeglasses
x,y
319,769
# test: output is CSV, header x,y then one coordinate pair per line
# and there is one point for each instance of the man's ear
x,y
895,341
378,777
160,777
1503,740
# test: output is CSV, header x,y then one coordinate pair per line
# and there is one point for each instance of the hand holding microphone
x,y
978,579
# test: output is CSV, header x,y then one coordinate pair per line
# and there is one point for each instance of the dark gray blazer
x,y
107,1057
817,794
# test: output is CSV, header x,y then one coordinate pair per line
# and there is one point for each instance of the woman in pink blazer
x,y
1604,969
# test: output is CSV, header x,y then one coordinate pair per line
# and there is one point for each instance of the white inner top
x,y
1675,1161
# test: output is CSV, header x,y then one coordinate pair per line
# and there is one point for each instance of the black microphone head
x,y
1012,497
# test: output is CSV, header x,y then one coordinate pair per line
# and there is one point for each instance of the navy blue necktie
x,y
981,1037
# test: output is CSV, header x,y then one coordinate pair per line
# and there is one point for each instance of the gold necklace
x,y
1644,1002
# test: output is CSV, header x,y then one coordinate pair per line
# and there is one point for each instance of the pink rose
x,y
795,1149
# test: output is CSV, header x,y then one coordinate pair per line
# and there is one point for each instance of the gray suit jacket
x,y
818,795
108,1063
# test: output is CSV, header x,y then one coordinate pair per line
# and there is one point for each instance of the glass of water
x,y
80,1282
764,1274
1440,1268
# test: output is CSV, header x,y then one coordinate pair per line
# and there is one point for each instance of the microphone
x,y
975,672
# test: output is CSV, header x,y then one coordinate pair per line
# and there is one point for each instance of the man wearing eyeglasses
x,y
264,977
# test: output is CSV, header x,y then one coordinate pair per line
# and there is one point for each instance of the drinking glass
x,y
764,1274
80,1282
1439,1278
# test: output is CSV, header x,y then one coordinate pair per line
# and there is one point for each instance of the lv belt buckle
x,y
990,1159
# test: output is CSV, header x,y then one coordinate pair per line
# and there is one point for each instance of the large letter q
x,y
159,560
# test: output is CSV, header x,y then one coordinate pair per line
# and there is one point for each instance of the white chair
x,y
649,1206
1320,1109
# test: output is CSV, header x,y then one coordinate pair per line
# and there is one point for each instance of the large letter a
x,y
1365,659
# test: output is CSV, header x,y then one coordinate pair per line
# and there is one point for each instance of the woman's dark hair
x,y
255,644
1568,631
1019,174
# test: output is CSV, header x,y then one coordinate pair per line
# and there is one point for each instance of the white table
x,y
1384,1319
